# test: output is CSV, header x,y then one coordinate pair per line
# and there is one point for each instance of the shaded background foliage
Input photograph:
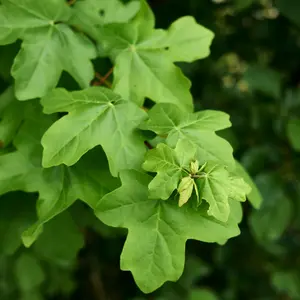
x,y
253,74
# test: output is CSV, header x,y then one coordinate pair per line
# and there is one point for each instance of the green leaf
x,y
290,9
287,282
7,56
214,188
89,14
63,246
239,189
97,116
11,116
240,5
61,186
185,190
202,294
254,196
14,221
264,80
58,187
29,272
293,133
157,230
169,165
271,220
214,183
48,47
198,128
144,57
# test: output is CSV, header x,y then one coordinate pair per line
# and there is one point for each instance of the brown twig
x,y
149,146
103,79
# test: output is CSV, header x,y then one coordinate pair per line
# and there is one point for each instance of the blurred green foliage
x,y
253,74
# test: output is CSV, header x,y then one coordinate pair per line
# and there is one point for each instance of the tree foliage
x,y
192,118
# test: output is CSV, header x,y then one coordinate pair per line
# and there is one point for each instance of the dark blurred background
x,y
253,74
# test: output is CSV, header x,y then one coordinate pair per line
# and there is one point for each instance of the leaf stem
x,y
103,79
149,146
106,76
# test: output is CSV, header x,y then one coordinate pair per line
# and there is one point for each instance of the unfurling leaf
x,y
169,164
194,167
185,190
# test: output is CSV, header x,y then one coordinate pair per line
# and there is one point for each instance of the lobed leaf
x,y
96,116
157,230
48,47
198,128
90,14
168,164
58,187
144,56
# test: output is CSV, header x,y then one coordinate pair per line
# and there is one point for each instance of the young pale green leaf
x,y
198,128
97,116
293,133
238,189
48,48
89,14
185,190
194,166
214,188
157,230
144,57
169,164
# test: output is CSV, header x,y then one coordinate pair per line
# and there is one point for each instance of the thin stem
x,y
102,81
149,146
186,171
198,176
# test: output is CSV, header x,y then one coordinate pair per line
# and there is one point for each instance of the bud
x,y
194,166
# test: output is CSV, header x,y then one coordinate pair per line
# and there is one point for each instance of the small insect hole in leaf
x,y
102,12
